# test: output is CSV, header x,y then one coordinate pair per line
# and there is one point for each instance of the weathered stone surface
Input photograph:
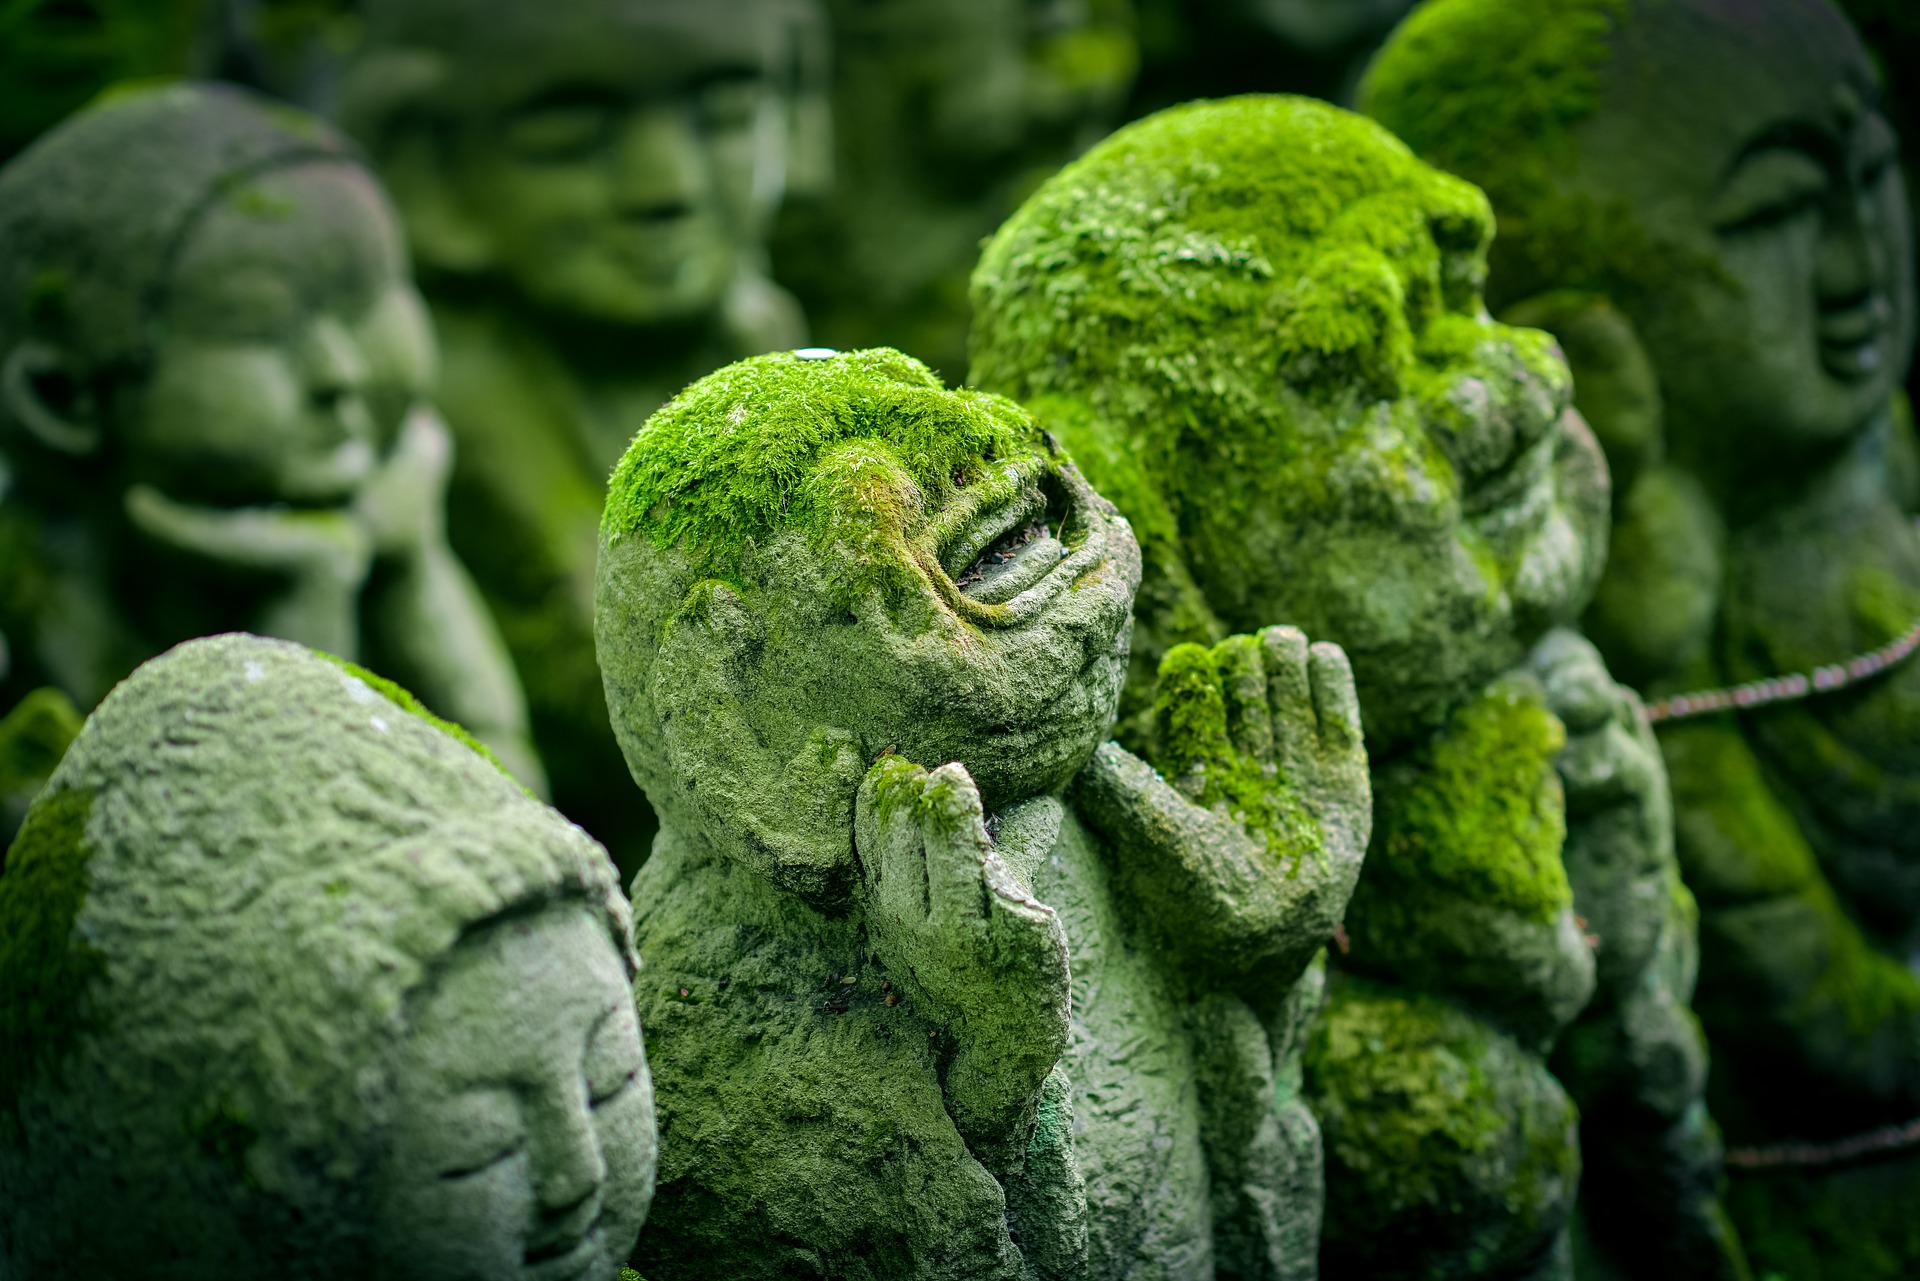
x,y
1258,325
1704,199
212,371
295,982
1035,1012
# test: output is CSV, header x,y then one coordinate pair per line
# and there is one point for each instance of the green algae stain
x,y
403,699
851,448
44,969
1480,813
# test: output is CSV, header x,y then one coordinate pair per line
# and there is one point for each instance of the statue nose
x,y
336,372
568,1167
661,169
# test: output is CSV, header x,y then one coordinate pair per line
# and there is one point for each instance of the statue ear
x,y
789,819
1615,387
40,390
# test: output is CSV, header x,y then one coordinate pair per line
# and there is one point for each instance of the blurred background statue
x,y
1703,198
1211,48
586,185
946,113
1258,325
295,983
212,371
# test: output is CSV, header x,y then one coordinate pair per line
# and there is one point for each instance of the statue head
x,y
1257,322
811,559
204,291
298,983
1719,169
614,161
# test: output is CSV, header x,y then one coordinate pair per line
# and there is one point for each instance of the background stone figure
x,y
1703,200
816,574
212,365
586,186
945,112
1258,324
295,982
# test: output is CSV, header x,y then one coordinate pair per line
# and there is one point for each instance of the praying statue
x,y
1257,324
296,982
939,981
587,187
1703,199
213,415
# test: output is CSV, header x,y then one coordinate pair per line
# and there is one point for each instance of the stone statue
x,y
294,982
586,185
212,370
938,984
1257,324
944,113
1705,203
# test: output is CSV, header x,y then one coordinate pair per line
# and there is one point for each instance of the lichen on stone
x,y
404,699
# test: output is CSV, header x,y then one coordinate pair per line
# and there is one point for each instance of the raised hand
x,y
1247,843
966,940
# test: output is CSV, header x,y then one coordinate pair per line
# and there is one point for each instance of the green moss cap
x,y
846,446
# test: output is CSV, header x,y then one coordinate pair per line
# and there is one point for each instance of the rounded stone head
x,y
295,982
617,161
1258,324
811,559
205,292
1720,169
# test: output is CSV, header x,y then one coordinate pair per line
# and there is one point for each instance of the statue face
x,y
1022,695
626,159
290,344
523,1141
1747,136
1433,534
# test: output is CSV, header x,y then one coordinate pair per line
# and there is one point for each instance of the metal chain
x,y
1786,689
1888,1138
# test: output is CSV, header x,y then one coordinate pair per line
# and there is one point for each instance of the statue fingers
x,y
1336,704
1289,693
1243,690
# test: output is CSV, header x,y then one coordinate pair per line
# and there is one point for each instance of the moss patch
x,y
1478,812
402,698
44,969
33,738
850,448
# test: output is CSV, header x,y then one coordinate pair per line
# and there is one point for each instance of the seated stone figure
x,y
1707,207
295,982
1257,323
586,185
212,370
1033,1011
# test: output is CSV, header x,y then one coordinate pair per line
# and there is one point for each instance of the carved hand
x,y
965,939
1247,849
403,505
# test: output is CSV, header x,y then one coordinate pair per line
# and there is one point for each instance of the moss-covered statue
x,y
295,982
944,113
212,364
586,185
938,985
1257,324
1702,199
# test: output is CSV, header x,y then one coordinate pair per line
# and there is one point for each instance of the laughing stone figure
x,y
940,983
295,982
213,371
1705,203
1257,324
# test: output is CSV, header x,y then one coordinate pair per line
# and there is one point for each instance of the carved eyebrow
x,y
1791,135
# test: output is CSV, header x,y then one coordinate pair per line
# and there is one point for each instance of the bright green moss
x,y
1195,749
1884,608
403,699
850,448
1492,90
1448,1141
33,738
44,969
1479,813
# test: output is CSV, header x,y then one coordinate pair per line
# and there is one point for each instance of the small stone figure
x,y
944,113
1257,323
212,371
587,186
1706,205
294,982
819,572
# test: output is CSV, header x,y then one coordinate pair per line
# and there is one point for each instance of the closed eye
x,y
467,1171
598,1094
